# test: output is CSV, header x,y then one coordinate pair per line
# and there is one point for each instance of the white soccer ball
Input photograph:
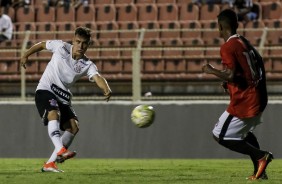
x,y
143,116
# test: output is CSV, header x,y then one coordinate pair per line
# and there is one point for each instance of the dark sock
x,y
252,140
241,146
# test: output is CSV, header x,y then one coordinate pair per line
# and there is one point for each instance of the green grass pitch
x,y
136,171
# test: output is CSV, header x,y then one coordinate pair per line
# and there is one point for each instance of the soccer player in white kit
x,y
53,97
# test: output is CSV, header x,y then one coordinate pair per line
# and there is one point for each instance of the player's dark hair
x,y
83,32
229,17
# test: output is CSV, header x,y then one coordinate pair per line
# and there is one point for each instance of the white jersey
x,y
63,71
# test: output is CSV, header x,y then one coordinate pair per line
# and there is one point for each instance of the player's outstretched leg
x,y
50,165
64,154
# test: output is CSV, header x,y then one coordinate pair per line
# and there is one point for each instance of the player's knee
x,y
53,115
75,130
74,127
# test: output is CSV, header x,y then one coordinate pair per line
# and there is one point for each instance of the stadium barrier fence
x,y
134,78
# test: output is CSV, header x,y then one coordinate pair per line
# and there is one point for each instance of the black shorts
x,y
46,101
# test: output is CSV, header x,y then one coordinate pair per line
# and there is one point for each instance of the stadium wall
x,y
180,130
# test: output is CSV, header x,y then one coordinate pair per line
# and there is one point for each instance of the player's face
x,y
80,45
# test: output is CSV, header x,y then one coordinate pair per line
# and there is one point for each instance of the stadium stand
x,y
173,59
145,1
152,59
194,57
111,66
98,2
123,1
32,67
147,12
25,14
274,35
110,30
9,63
90,25
209,11
267,62
184,1
168,12
43,58
45,27
105,12
172,32
255,31
65,30
180,36
187,33
45,14
85,14
211,57
65,14
126,12
129,36
210,37
165,1
110,60
37,3
109,54
188,12
276,60
11,12
150,26
22,27
271,10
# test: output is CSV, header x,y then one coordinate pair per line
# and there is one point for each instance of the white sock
x,y
54,134
67,139
53,157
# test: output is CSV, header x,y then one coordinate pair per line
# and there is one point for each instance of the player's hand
x,y
23,62
108,95
224,86
207,68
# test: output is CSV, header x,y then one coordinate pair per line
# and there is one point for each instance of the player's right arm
x,y
103,84
226,74
35,48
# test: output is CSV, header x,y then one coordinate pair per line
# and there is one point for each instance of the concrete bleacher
x,y
190,27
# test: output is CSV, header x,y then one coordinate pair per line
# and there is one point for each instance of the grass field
x,y
135,171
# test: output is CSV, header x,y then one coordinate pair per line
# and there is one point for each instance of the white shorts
x,y
232,128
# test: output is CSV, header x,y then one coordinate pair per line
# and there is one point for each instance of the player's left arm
x,y
103,84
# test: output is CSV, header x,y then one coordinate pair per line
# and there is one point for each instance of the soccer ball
x,y
143,116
